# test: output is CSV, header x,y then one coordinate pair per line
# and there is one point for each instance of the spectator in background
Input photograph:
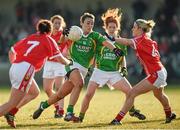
x,y
139,8
20,10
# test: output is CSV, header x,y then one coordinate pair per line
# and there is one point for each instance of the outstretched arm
x,y
124,41
117,51
108,45
60,58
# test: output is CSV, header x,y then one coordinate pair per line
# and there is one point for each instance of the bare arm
x,y
108,45
124,62
125,41
12,56
60,58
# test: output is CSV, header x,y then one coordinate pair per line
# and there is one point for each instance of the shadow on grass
x,y
59,126
149,121
76,125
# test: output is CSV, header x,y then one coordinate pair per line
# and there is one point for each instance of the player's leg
x,y
143,86
59,112
163,98
124,86
48,84
15,97
60,94
92,86
32,93
77,79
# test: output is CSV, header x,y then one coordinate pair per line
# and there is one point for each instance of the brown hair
x,y
86,15
44,26
63,24
112,15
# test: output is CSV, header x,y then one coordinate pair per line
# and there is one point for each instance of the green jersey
x,y
83,50
106,60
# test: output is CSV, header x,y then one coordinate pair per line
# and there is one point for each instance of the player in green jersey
x,y
82,53
108,66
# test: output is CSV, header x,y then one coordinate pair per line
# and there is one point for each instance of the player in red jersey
x,y
147,52
27,57
54,72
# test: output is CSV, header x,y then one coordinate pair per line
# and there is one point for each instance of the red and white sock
x,y
14,111
56,106
168,111
120,116
61,111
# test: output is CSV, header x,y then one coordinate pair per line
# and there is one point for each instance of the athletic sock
x,y
70,108
56,106
167,111
61,111
81,116
120,116
45,105
14,111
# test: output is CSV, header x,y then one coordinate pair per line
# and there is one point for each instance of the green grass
x,y
103,108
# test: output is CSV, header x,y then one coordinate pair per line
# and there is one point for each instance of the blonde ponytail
x,y
146,25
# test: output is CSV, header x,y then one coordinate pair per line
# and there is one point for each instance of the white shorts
x,y
104,77
158,79
21,75
83,70
53,70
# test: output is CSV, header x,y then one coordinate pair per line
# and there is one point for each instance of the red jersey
x,y
35,49
63,46
147,52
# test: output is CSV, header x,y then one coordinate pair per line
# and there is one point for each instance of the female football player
x,y
147,52
27,57
54,71
82,53
108,65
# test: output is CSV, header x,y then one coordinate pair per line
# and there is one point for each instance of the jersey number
x,y
33,45
154,51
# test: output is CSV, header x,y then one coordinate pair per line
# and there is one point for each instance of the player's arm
x,y
117,51
60,58
12,55
124,41
63,60
124,67
124,62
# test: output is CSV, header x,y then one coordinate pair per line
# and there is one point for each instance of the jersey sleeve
x,y
98,38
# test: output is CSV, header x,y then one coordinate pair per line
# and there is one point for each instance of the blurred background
x,y
18,19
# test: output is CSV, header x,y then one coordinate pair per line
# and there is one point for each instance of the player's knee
x,y
79,84
131,94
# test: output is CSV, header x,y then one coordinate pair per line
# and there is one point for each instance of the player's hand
x,y
124,71
65,31
71,62
118,52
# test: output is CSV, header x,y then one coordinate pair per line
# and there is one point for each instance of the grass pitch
x,y
103,108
